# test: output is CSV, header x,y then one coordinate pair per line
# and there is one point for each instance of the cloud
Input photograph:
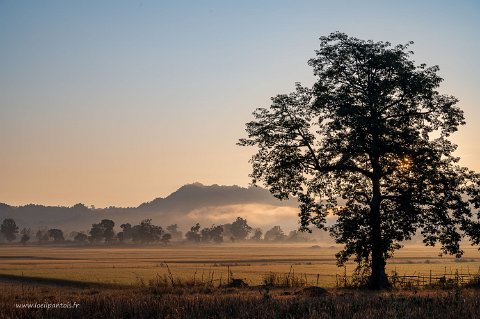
x,y
257,215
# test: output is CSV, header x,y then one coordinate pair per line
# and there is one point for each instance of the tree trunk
x,y
378,278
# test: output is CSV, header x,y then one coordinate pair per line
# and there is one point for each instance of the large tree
x,y
369,143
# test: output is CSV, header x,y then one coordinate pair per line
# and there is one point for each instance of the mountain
x,y
212,204
194,196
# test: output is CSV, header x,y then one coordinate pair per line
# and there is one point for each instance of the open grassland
x,y
23,300
128,265
196,282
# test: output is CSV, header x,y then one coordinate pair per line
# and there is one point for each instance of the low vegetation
x,y
234,280
126,265
160,299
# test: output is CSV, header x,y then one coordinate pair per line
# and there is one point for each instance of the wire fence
x,y
230,275
430,279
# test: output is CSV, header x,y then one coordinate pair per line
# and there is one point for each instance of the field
x,y
313,264
192,282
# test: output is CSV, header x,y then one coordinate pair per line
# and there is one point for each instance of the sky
x,y
119,102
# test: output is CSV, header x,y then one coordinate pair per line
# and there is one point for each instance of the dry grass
x,y
195,282
252,263
165,301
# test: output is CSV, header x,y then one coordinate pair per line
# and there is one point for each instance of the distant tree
x,y
297,236
194,233
240,229
96,233
166,239
26,234
257,234
146,232
205,235
9,229
126,233
42,236
227,231
214,233
121,236
102,231
275,234
80,207
108,232
80,238
374,132
173,230
72,235
56,235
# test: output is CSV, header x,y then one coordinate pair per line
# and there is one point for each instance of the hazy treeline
x,y
186,206
147,233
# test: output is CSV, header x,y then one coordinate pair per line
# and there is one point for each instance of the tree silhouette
x,y
166,238
126,233
9,229
146,232
214,233
26,234
297,236
42,236
194,233
240,229
257,234
56,234
80,238
102,231
368,143
174,232
275,234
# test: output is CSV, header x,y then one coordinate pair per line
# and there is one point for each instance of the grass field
x,y
227,303
251,262
135,282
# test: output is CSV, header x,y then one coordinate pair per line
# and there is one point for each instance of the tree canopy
x,y
369,143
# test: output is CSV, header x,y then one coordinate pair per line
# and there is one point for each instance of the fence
x,y
231,275
430,280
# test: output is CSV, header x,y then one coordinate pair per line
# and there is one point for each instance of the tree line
x,y
147,233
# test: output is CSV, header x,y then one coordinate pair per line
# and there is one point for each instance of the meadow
x,y
132,265
182,281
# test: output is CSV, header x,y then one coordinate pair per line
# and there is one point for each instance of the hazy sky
x,y
119,102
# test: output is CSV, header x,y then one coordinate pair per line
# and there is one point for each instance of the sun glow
x,y
405,164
